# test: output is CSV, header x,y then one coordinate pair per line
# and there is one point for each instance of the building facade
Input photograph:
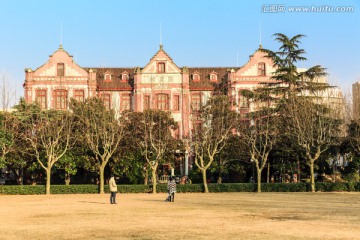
x,y
161,84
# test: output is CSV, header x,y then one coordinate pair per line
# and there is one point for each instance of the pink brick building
x,y
161,84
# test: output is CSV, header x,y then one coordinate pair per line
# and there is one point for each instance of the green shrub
x,y
357,186
337,187
22,189
181,188
232,187
132,188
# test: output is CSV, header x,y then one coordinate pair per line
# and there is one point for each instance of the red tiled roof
x,y
204,72
116,83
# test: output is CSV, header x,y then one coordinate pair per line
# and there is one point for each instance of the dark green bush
x,y
132,188
232,187
181,188
337,187
22,189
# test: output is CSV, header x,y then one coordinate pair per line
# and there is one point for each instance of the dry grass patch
x,y
191,216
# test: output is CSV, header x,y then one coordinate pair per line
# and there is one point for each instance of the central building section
x,y
163,85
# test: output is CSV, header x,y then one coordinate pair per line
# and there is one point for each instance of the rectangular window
x,y
60,69
79,95
162,101
125,102
161,67
146,102
60,99
195,102
41,98
176,103
261,69
106,99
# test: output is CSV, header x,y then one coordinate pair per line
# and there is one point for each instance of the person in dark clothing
x,y
171,189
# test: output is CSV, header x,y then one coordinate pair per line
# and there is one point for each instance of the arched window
x,y
196,77
107,77
213,77
261,69
125,77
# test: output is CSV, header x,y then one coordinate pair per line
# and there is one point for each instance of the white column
x,y
186,162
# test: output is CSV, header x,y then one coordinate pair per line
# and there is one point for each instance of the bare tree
x,y
7,95
212,128
49,136
259,137
100,130
315,126
8,127
152,134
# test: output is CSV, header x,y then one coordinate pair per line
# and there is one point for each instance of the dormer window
x,y
60,69
213,77
125,77
107,77
196,77
161,67
261,69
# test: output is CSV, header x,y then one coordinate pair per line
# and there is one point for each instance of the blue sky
x,y
195,33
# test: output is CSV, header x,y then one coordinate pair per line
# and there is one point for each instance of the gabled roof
x,y
68,59
160,52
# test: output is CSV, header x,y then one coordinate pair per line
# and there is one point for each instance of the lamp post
x,y
186,163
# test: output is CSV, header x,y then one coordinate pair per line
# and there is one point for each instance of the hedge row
x,y
337,187
213,187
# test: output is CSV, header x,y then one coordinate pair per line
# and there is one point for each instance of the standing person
x,y
172,189
113,189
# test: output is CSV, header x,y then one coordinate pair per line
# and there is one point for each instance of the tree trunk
x,y
299,171
67,178
312,176
258,180
206,190
101,171
18,175
19,180
48,178
268,173
154,182
219,180
146,177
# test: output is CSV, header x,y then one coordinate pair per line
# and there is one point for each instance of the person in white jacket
x,y
113,189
